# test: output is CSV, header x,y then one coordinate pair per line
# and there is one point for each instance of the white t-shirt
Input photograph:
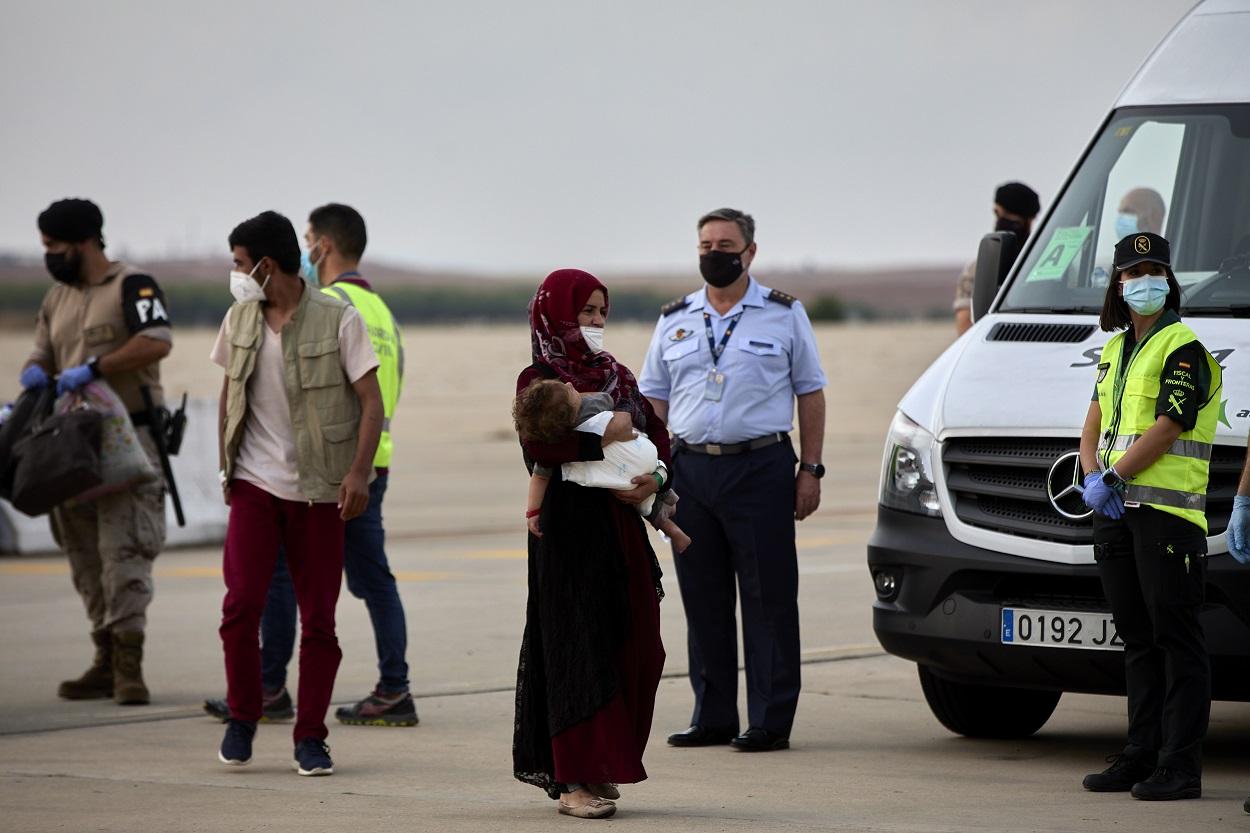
x,y
267,457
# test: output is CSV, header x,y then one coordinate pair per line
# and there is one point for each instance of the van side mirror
x,y
997,252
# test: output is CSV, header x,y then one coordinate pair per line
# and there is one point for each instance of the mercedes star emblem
x,y
1063,487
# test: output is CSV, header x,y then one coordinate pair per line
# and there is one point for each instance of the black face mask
x,y
720,269
1007,224
62,267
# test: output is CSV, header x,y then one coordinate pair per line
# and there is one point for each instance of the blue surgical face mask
x,y
308,268
1146,296
1125,224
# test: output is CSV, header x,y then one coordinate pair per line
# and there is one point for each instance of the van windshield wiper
x,y
1229,311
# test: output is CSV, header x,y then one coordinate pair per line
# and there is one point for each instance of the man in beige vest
x,y
102,319
300,417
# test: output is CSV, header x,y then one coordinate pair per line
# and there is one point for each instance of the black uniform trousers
x,y
739,513
1153,570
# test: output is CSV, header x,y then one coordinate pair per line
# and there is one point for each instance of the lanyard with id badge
x,y
714,389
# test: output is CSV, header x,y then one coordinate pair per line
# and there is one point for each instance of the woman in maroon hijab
x,y
591,656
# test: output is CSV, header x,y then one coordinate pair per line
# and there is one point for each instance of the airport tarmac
x,y
867,754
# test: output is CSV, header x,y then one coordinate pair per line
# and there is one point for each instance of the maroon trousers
x,y
312,535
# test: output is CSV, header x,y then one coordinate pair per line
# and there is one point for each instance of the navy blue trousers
x,y
369,578
739,513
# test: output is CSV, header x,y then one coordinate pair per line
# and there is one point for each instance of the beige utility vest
x,y
325,412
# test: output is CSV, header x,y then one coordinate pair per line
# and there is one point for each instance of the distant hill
x,y
428,294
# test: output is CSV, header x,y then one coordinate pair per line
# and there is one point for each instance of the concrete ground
x,y
867,754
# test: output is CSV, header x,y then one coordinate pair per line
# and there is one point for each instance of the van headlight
x,y
906,473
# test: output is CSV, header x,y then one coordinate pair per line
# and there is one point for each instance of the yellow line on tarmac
x,y
422,575
515,554
189,572
51,569
34,569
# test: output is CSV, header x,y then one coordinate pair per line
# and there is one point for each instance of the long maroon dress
x,y
591,656
607,745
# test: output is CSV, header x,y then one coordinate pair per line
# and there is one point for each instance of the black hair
x,y
342,224
1115,312
270,235
1018,198
72,221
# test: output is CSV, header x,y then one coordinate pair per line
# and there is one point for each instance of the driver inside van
x,y
1140,210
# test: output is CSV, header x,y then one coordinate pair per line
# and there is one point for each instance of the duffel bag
x,y
57,460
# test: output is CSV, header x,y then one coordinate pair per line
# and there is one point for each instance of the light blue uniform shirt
x,y
770,358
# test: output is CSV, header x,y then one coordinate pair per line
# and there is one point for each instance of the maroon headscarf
x,y
557,341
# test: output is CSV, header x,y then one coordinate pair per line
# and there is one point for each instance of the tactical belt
x,y
721,449
139,418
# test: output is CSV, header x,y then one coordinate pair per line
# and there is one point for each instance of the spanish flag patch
x,y
1183,364
148,292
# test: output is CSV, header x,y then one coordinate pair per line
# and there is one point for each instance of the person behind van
x,y
1015,207
1145,449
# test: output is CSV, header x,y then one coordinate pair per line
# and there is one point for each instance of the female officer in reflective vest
x,y
1145,449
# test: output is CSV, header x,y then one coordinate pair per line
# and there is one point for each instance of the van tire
x,y
986,711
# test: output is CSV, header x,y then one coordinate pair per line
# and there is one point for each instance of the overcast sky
x,y
516,137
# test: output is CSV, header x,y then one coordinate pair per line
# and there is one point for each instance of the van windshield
x,y
1183,172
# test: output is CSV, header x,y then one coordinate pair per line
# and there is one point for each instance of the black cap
x,y
1018,198
72,221
1139,248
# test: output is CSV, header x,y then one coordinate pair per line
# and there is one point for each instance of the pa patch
x,y
1102,371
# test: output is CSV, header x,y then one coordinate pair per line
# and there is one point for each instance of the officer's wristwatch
x,y
1112,479
816,470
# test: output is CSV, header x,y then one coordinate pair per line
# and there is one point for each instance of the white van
x,y
983,568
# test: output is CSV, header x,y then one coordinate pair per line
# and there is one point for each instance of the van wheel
x,y
986,711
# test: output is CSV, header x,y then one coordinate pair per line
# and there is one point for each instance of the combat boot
x,y
97,681
128,687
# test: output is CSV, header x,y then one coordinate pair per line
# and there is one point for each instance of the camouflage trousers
x,y
111,544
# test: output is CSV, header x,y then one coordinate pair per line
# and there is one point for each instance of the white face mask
x,y
244,287
593,337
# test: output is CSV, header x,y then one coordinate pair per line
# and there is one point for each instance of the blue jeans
x,y
369,578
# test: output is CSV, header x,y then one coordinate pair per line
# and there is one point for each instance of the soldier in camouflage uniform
x,y
104,320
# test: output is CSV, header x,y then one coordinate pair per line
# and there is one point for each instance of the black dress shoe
x,y
701,736
759,740
1124,772
1167,784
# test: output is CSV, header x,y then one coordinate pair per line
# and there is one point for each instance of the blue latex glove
x,y
34,377
1102,498
1239,530
73,378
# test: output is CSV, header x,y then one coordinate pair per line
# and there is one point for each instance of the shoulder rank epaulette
x,y
781,297
673,306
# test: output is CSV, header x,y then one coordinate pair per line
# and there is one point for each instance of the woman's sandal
x,y
596,808
608,791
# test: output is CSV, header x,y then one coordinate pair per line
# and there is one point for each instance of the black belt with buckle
x,y
720,449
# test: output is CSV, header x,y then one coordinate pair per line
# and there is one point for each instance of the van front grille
x,y
1024,331
999,483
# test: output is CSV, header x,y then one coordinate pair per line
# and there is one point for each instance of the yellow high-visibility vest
x,y
388,344
1177,482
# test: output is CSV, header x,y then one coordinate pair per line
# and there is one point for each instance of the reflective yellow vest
x,y
1177,482
388,344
